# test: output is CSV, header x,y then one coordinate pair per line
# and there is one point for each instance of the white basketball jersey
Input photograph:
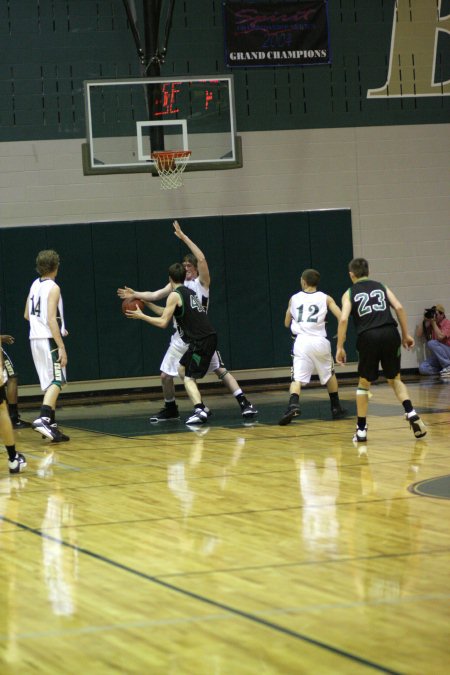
x,y
38,309
309,311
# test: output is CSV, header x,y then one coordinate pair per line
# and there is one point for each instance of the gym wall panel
x,y
157,248
288,250
19,248
331,251
76,280
120,340
251,339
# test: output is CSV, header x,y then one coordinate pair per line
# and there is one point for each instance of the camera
x,y
430,313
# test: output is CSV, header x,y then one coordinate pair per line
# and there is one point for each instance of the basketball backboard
x,y
126,120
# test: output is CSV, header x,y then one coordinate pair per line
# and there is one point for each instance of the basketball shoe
x,y
19,423
18,464
199,416
165,414
417,426
292,411
42,426
249,412
360,435
59,436
338,413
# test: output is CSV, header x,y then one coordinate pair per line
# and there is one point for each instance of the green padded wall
x,y
329,236
255,263
249,317
288,255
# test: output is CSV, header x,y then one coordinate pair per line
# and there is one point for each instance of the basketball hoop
x,y
170,165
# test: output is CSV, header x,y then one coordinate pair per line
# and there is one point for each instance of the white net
x,y
170,166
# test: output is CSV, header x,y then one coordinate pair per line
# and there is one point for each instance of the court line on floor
x,y
203,599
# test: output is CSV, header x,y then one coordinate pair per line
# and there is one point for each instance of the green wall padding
x,y
255,263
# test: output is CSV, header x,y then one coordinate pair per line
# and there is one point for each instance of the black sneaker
x,y
418,427
18,423
338,413
166,414
41,426
291,412
59,436
18,464
249,412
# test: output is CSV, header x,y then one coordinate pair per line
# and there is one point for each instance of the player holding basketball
x,y
305,316
44,311
197,279
194,326
369,303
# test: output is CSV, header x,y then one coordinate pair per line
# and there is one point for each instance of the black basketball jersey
x,y
370,306
193,323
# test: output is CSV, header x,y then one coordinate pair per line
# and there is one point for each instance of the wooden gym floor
x,y
230,550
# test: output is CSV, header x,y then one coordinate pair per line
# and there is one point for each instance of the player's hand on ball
x,y
125,292
134,313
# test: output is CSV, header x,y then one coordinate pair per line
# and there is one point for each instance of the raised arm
x,y
407,339
203,269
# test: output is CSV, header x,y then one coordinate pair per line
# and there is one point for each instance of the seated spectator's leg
x,y
440,352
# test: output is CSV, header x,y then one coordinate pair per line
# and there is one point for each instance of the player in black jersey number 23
x,y
378,341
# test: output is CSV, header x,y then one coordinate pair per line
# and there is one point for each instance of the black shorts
x,y
8,365
379,345
198,357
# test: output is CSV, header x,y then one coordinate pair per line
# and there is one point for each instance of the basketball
x,y
131,303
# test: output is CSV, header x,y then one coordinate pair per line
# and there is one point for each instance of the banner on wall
x,y
281,33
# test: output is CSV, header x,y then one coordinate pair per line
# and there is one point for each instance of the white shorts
x,y
311,355
172,357
45,353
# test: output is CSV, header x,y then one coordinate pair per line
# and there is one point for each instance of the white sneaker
x,y
418,427
199,416
360,435
445,372
18,464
